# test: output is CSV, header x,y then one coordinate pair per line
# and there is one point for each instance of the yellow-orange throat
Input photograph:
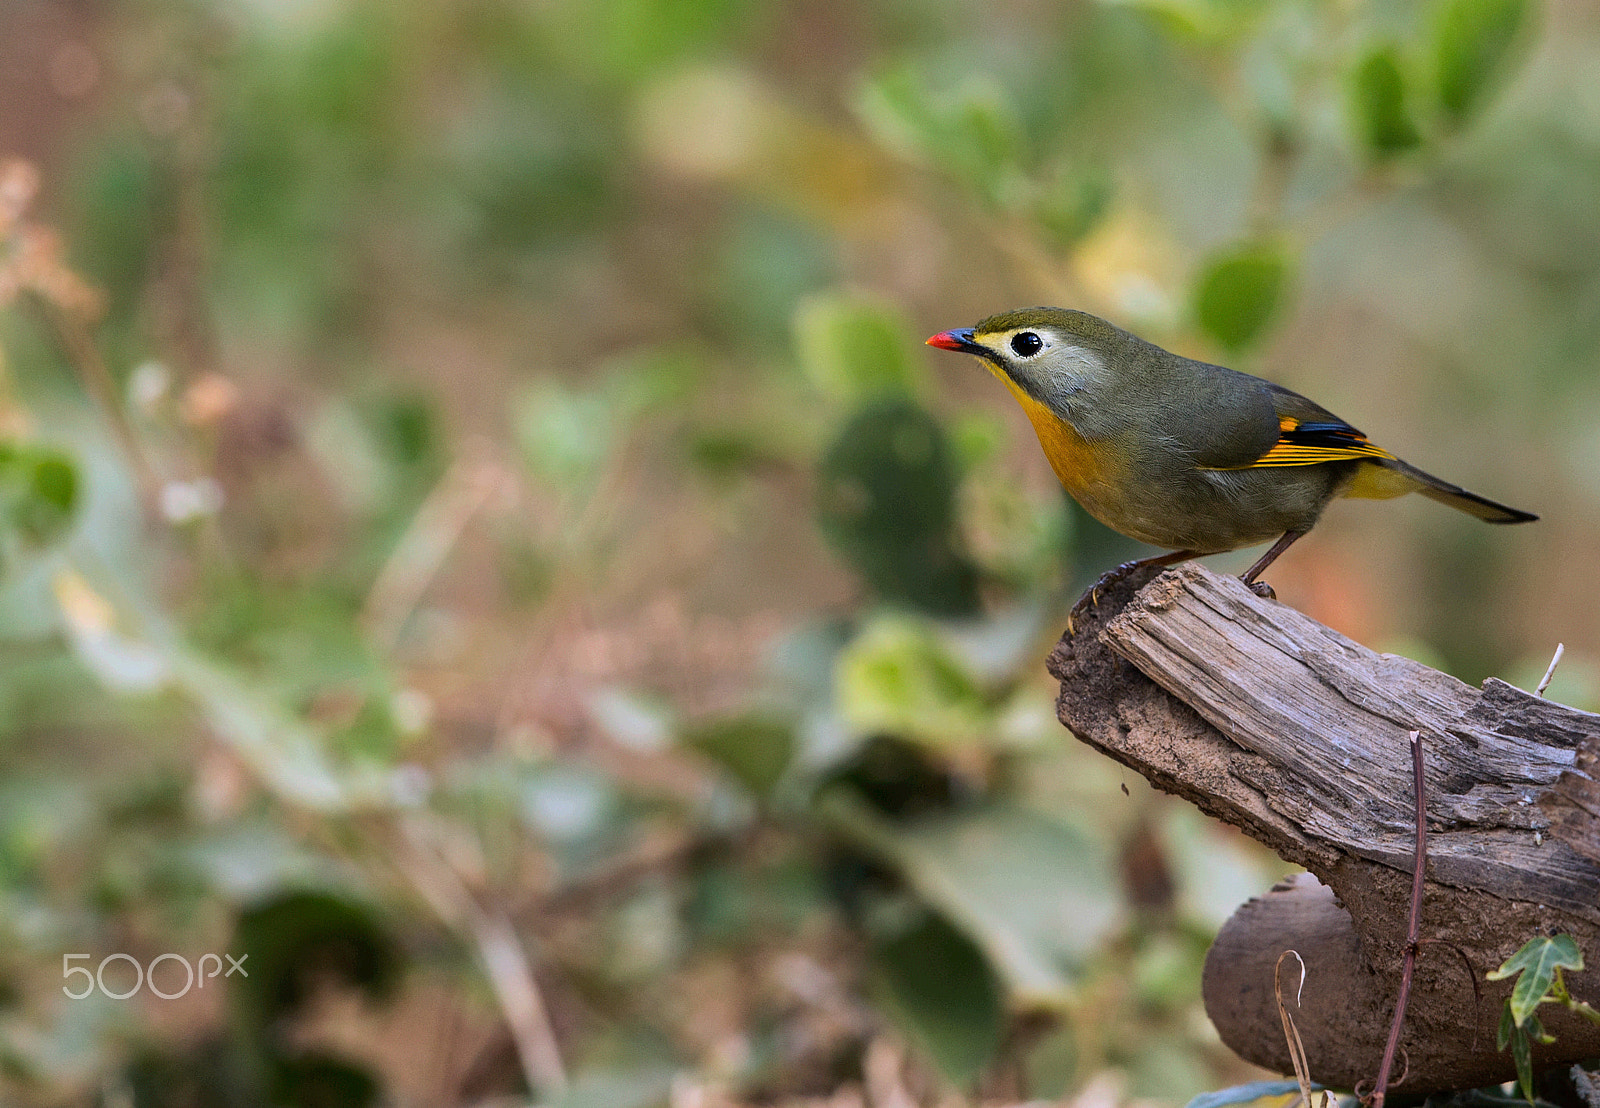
x,y
1079,465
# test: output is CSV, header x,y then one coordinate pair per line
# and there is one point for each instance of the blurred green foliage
x,y
1472,42
938,986
39,492
517,578
886,492
1378,101
1237,293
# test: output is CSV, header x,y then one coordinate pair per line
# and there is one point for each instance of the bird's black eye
x,y
1025,344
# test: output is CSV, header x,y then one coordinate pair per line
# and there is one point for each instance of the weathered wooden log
x,y
1267,719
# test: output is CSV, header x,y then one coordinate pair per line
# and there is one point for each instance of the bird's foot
x,y
1091,595
1261,589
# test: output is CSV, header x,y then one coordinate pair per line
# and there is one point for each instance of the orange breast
x,y
1086,470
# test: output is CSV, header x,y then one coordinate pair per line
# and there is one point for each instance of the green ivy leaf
x,y
942,993
1378,103
1537,963
1472,41
1521,1040
1238,293
1522,1055
1536,1031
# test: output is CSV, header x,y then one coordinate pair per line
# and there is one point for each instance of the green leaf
x,y
565,435
40,487
1522,1055
1037,896
985,139
886,500
1536,962
754,749
1472,42
1164,1066
1208,22
938,988
1238,293
972,132
1050,1064
1536,1031
1072,206
569,807
340,935
898,110
55,481
1378,103
645,1086
854,349
1520,1040
1213,871
278,745
122,203
897,678
313,1077
1558,950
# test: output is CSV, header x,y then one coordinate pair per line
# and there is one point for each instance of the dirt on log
x,y
1265,718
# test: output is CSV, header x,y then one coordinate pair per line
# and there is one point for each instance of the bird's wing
x,y
1309,434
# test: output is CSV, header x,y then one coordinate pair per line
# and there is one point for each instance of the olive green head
x,y
1052,354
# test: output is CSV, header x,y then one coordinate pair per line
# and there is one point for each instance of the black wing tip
x,y
1515,515
1492,511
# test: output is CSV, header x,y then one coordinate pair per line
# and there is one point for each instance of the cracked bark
x,y
1266,719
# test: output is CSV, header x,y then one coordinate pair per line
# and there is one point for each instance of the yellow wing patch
x,y
1285,453
1308,444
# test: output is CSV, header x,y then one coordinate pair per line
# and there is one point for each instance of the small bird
x,y
1182,454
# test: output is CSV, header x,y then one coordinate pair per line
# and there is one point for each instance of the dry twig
x,y
505,963
421,552
1291,1033
1409,964
1544,682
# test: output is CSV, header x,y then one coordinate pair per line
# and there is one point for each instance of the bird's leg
x,y
1091,596
1261,588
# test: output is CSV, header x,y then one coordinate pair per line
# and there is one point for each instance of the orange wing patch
x,y
1309,444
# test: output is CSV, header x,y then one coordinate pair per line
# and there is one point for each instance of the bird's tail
x,y
1444,492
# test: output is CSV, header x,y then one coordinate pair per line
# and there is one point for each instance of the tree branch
x,y
1270,721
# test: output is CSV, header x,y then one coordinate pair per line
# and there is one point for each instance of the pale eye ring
x,y
1025,344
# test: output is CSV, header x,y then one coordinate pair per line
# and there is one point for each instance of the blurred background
x,y
481,539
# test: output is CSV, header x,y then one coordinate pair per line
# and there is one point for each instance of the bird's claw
x,y
1091,595
1262,589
